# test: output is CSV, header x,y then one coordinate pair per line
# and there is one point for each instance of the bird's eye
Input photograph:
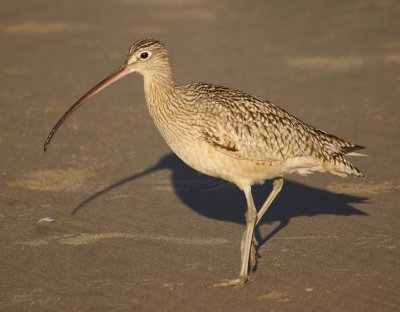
x,y
144,55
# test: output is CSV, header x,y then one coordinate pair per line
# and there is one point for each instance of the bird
x,y
228,134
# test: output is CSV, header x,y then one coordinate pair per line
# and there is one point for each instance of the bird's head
x,y
148,57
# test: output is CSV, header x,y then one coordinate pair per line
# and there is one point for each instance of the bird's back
x,y
253,129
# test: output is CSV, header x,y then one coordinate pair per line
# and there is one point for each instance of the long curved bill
x,y
124,70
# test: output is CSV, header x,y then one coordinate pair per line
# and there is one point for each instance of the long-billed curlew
x,y
228,134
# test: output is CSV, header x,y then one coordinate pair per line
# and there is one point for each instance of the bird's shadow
x,y
216,199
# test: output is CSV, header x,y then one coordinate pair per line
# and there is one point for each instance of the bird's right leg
x,y
249,243
277,184
276,188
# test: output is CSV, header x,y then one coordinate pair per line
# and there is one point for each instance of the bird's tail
x,y
338,149
341,166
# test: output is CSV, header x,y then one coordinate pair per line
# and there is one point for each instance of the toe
x,y
228,283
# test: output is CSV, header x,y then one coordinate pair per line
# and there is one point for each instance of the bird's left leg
x,y
248,235
247,239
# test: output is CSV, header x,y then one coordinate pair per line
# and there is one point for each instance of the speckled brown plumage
x,y
251,128
228,134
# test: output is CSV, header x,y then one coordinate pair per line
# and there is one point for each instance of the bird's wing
x,y
253,139
248,127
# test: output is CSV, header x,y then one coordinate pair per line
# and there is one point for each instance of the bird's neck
x,y
159,76
159,88
163,103
158,82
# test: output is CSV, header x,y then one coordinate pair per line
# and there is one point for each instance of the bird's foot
x,y
237,283
228,283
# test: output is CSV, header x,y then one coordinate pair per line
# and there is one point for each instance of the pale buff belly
x,y
204,158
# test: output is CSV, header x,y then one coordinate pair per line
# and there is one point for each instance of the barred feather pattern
x,y
234,123
251,128
231,135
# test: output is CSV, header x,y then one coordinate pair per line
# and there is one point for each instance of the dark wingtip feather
x,y
351,148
